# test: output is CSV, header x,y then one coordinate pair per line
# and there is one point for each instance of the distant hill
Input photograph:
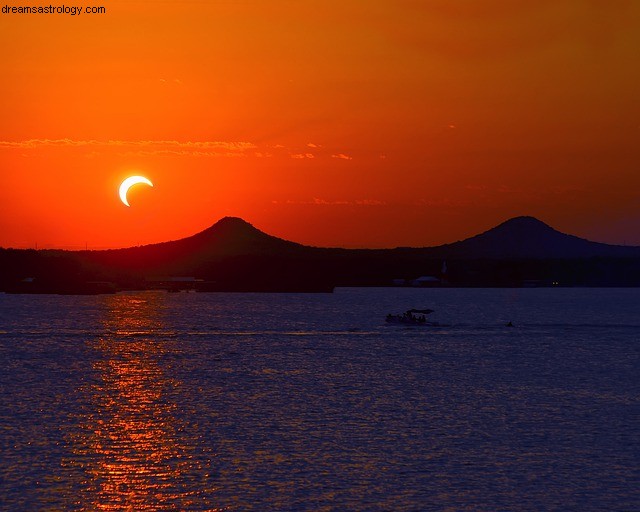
x,y
229,237
528,237
232,255
233,235
520,237
236,255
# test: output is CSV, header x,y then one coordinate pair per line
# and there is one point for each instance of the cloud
x,y
36,143
370,202
174,80
326,202
167,152
316,201
141,147
197,148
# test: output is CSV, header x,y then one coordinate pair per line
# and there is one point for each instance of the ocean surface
x,y
285,402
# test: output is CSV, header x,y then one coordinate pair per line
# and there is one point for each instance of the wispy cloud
x,y
175,81
370,202
342,156
333,202
35,143
168,152
141,147
197,148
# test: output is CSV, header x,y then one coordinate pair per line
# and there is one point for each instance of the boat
x,y
416,317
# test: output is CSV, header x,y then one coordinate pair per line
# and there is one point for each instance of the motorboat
x,y
417,317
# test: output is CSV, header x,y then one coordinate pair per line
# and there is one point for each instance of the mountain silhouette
x,y
233,255
528,237
233,235
237,256
519,237
229,237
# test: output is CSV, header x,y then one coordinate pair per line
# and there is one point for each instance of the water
x,y
154,401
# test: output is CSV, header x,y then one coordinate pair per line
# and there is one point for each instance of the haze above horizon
x,y
390,124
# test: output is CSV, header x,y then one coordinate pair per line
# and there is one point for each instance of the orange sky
x,y
344,123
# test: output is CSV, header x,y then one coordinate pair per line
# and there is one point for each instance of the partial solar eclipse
x,y
130,182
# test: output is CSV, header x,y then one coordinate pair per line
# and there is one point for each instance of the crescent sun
x,y
130,182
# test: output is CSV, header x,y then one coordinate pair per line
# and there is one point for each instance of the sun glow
x,y
130,182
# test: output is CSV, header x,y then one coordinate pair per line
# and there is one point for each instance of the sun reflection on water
x,y
132,441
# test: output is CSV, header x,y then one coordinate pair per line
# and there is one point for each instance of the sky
x,y
335,123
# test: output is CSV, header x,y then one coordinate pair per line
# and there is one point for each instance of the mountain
x,y
236,256
229,237
519,237
232,255
528,237
232,235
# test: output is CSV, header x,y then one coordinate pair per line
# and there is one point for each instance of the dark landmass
x,y
232,255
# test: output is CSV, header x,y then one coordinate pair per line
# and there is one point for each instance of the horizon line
x,y
88,247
